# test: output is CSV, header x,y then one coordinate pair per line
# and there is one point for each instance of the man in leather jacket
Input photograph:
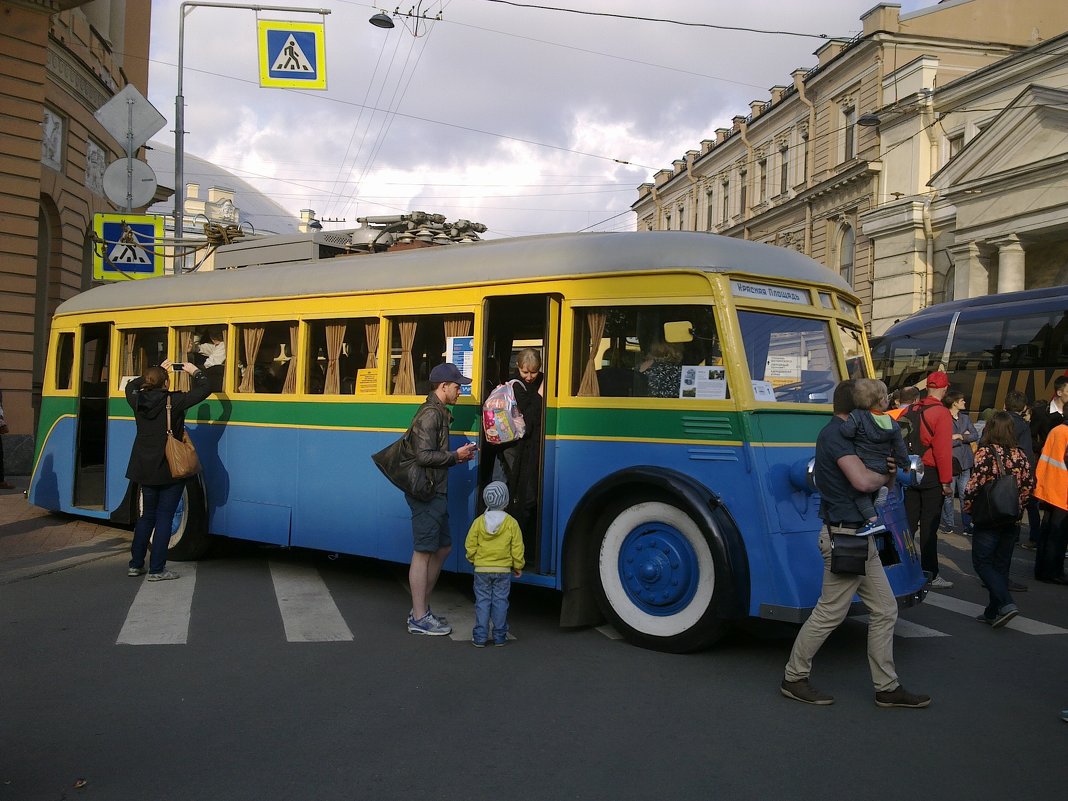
x,y
430,519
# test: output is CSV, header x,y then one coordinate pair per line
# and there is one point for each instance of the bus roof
x,y
493,261
1052,298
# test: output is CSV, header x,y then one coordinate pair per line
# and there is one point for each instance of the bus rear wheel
x,y
189,530
656,577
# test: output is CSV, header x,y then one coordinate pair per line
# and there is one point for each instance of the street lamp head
x,y
869,120
381,20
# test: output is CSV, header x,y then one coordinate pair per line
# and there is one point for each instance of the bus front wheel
x,y
656,577
189,529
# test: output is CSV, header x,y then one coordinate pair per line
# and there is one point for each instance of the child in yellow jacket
x,y
495,547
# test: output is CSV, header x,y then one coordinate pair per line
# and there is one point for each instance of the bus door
x,y
91,441
511,324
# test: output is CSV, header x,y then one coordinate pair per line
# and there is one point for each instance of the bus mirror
x,y
678,331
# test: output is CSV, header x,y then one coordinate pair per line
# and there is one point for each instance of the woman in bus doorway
x,y
964,434
521,459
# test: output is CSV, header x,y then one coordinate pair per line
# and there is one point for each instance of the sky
x,y
527,120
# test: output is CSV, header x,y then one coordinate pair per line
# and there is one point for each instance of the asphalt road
x,y
244,710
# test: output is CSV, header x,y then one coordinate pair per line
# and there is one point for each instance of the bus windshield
x,y
791,359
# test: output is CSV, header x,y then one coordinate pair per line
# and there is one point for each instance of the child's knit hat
x,y
495,495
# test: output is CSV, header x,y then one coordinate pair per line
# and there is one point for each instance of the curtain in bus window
x,y
129,342
370,330
405,382
335,337
185,347
252,337
595,321
458,326
289,387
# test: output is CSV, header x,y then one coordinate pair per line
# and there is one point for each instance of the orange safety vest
x,y
1051,473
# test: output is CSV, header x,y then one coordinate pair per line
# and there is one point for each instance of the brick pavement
x,y
34,542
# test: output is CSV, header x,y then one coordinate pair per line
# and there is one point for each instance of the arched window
x,y
948,291
847,242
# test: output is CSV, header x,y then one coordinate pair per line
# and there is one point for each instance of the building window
x,y
762,177
954,144
804,159
849,125
726,201
682,216
784,171
743,191
846,246
710,207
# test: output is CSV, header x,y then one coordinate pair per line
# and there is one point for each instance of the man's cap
x,y
937,380
495,495
448,372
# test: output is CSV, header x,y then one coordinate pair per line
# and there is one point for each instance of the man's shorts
x,y
430,523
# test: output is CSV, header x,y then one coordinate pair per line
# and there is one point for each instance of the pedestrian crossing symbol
x,y
292,54
126,246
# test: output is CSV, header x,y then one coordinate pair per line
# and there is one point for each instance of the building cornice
x,y
47,6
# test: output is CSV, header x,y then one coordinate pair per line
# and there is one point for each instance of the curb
x,y
103,546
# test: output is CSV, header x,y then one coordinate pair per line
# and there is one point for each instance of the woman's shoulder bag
x,y
181,455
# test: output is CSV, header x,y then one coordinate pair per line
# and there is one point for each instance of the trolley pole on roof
x,y
179,107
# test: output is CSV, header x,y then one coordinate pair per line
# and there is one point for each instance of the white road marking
x,y
1026,625
309,613
609,632
906,628
159,614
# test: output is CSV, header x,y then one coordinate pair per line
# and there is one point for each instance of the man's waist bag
x,y
997,502
501,418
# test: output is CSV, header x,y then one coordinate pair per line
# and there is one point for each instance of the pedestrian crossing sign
x,y
292,54
127,246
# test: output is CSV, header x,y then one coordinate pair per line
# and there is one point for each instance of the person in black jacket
x,y
148,468
521,458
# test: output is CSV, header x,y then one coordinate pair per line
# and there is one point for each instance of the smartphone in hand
x,y
178,366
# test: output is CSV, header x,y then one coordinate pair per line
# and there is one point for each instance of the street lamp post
x,y
179,104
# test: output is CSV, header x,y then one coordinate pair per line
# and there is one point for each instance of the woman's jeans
x,y
491,604
948,518
158,505
991,557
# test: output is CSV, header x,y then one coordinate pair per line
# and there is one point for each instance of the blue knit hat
x,y
495,495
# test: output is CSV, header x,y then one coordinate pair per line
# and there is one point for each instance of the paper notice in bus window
x,y
461,352
703,383
763,392
367,381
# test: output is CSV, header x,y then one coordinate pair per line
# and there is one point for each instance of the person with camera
x,y
993,538
840,476
148,396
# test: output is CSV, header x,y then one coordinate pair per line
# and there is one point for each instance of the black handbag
x,y
397,463
849,554
997,503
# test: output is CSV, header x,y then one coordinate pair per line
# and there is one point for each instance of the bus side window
x,y
337,351
140,349
417,344
267,355
64,360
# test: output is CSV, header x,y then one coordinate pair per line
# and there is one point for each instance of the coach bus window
x,y
791,359
268,357
141,348
1000,343
416,344
648,352
908,359
64,360
853,352
337,350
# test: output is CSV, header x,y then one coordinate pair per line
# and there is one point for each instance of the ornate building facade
x,y
60,60
820,165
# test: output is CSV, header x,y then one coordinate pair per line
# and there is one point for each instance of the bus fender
x,y
579,607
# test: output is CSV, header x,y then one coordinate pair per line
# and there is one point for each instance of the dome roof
x,y
265,215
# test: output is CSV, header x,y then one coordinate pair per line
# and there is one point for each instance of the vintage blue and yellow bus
x,y
669,507
988,345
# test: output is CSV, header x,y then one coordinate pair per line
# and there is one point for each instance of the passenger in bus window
x,y
520,459
662,370
213,351
840,476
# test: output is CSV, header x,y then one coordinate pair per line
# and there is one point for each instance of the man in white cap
x,y
430,519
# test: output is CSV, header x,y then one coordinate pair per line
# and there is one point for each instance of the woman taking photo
x,y
148,468
992,545
964,434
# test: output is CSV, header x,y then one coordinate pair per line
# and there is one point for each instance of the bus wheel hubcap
x,y
658,569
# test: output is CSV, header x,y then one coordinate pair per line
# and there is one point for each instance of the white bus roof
x,y
487,262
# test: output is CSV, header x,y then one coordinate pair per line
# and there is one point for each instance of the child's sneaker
x,y
874,527
478,643
428,624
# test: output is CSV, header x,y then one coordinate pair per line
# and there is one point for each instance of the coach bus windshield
x,y
791,359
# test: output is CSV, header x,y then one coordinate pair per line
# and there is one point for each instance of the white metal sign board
x,y
292,54
130,111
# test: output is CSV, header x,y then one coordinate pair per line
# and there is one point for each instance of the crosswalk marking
x,y
160,613
309,613
1026,625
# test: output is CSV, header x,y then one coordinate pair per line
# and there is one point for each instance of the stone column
x,y
1010,264
971,278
